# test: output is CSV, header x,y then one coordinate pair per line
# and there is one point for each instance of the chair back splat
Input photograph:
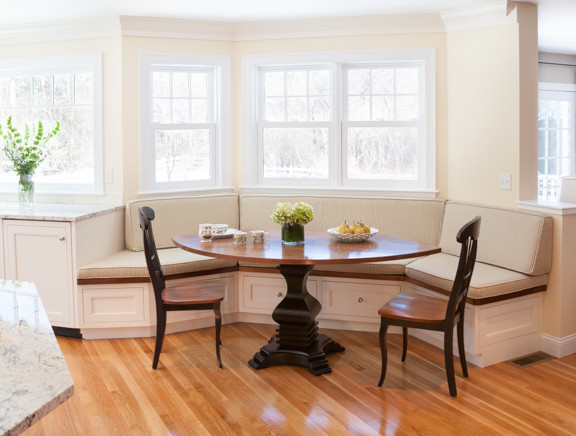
x,y
468,237
152,260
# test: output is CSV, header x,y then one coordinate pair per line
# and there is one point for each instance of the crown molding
x,y
486,15
281,29
60,31
177,28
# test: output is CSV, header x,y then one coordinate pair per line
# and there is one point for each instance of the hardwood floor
x,y
118,393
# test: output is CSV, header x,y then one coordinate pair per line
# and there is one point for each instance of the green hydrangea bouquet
x,y
288,213
292,217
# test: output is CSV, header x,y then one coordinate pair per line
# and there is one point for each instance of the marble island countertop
x,y
34,378
55,211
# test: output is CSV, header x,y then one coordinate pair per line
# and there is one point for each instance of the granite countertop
x,y
55,211
34,378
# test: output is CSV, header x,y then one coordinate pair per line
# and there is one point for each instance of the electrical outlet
x,y
109,175
504,181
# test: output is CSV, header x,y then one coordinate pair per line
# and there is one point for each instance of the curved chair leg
x,y
404,343
160,330
383,350
461,350
449,361
218,322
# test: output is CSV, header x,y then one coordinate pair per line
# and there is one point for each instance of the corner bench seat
x,y
504,302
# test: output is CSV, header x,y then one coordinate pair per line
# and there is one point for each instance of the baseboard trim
x,y
558,347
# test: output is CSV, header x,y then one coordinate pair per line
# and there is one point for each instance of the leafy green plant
x,y
28,151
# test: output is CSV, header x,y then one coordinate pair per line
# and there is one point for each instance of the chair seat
x,y
419,308
186,294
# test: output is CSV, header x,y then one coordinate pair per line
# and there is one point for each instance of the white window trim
x,y
54,65
250,65
221,158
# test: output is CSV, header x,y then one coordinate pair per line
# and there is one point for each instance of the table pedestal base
x,y
297,341
314,358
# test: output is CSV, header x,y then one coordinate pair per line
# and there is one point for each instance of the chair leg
x,y
461,350
383,350
160,330
449,361
404,343
218,322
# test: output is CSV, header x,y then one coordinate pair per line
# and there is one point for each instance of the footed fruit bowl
x,y
352,237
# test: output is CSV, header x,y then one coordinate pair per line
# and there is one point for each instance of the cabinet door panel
x,y
42,253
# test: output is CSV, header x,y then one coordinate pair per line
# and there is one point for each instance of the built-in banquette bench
x,y
504,302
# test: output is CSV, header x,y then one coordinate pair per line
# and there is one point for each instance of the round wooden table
x,y
297,340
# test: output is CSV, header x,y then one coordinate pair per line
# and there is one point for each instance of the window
x,y
66,89
185,139
356,121
556,137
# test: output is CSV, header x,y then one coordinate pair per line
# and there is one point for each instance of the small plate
x,y
352,237
227,234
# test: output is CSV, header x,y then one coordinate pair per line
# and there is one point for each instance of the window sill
x,y
250,189
549,207
181,192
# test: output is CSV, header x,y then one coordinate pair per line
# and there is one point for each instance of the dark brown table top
x,y
319,248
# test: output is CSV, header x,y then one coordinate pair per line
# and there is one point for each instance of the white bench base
x,y
494,332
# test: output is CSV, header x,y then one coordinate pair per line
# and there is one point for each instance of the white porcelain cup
x,y
205,232
259,235
240,238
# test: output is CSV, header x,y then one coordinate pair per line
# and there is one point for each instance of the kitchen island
x,y
34,378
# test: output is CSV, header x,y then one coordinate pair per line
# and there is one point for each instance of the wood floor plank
x,y
118,393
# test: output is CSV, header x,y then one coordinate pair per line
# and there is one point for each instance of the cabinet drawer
x,y
110,306
341,298
262,294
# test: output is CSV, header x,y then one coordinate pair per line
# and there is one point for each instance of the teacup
x,y
259,235
205,232
239,238
219,229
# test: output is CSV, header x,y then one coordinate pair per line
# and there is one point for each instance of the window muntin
x,y
183,122
374,129
68,90
556,140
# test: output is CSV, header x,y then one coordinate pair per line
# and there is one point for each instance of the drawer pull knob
x,y
279,294
62,238
360,300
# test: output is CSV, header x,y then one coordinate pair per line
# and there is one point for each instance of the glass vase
x,y
26,189
292,234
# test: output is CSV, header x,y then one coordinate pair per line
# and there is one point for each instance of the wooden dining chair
x,y
429,313
174,297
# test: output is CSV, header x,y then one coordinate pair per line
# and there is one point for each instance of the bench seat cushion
x,y
132,264
487,280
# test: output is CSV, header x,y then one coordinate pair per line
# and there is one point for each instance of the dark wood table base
x,y
297,341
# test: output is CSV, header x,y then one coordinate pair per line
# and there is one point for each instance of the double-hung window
x,y
556,137
358,121
184,122
67,89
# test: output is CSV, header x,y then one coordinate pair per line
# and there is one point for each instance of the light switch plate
x,y
504,181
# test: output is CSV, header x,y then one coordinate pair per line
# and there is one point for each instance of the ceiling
x,y
557,31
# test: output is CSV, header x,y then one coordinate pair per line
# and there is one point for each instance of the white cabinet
x,y
41,252
355,299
